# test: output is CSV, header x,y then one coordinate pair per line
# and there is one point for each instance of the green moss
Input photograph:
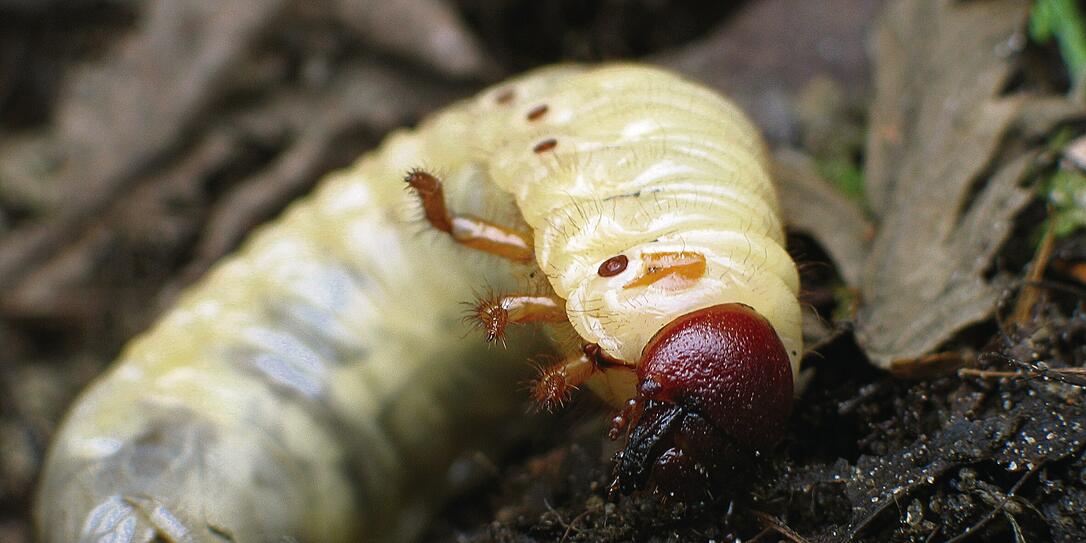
x,y
1066,193
1062,20
845,174
847,299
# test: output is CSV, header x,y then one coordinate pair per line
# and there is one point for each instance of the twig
x,y
988,374
556,514
774,523
72,265
573,523
355,103
928,366
992,514
932,535
1027,299
758,537
1075,376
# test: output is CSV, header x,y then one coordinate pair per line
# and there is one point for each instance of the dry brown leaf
x,y
812,206
944,173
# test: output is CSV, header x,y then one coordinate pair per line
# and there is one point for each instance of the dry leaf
x,y
813,206
944,173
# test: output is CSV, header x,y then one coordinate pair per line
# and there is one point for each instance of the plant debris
x,y
946,166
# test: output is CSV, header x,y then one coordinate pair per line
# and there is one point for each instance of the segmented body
x,y
642,161
317,385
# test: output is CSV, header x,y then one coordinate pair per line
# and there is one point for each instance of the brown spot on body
x,y
613,266
545,145
537,112
505,97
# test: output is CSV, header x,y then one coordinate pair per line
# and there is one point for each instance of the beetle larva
x,y
652,214
315,385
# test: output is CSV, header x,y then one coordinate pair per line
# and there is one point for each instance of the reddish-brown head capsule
x,y
714,386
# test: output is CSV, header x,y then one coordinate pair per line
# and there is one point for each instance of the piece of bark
x,y
944,172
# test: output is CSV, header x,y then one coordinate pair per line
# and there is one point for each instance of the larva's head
x,y
711,322
714,385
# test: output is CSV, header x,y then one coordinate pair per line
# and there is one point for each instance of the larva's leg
x,y
493,314
557,382
468,230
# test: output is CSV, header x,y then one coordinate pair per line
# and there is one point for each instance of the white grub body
x,y
317,385
645,162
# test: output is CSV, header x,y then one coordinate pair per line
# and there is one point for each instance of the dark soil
x,y
867,458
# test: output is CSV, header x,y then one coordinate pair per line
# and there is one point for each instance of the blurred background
x,y
140,141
